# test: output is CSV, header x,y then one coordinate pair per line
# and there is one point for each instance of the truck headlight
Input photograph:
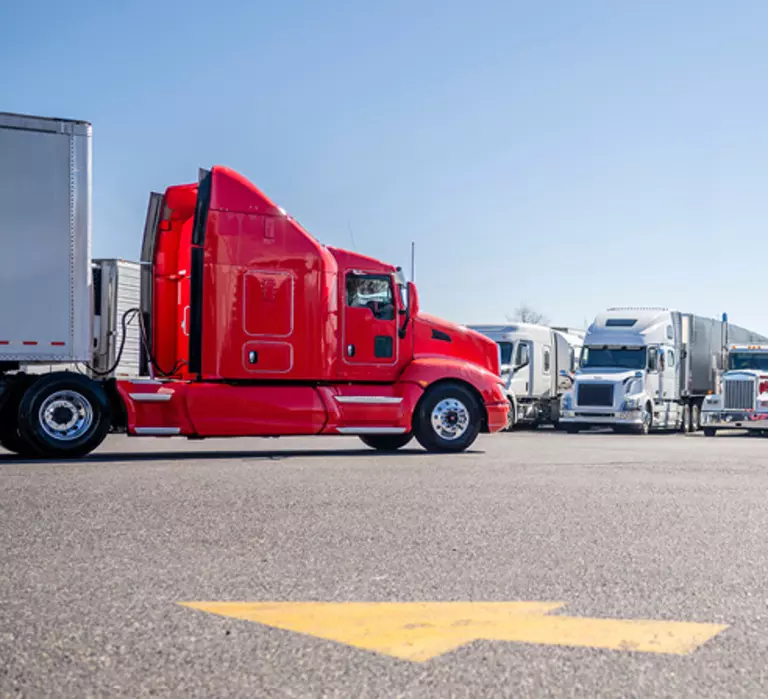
x,y
631,403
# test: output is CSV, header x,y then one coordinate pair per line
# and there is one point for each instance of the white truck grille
x,y
740,394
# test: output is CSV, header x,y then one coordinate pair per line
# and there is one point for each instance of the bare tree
x,y
526,314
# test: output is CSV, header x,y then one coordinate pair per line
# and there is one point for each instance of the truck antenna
x,y
413,261
351,235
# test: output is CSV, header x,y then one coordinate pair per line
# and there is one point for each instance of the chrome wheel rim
x,y
450,419
65,416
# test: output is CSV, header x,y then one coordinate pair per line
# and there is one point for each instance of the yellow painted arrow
x,y
418,631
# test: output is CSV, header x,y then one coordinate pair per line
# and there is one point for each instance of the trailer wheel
x,y
386,442
447,419
64,416
12,441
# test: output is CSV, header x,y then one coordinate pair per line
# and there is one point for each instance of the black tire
x,y
459,412
685,423
695,417
12,441
512,419
647,424
709,432
386,442
66,399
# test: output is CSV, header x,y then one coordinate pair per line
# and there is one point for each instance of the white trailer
x,y
61,311
45,217
533,359
648,368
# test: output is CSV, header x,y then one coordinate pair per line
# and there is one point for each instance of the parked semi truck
x,y
249,326
647,368
533,360
741,401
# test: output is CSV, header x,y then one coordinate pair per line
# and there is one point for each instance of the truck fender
x,y
429,370
487,387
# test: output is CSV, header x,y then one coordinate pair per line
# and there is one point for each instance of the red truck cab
x,y
254,328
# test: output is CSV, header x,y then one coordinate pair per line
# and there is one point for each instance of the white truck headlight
x,y
631,403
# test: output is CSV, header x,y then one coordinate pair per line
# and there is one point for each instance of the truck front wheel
x,y
64,416
386,442
447,419
647,420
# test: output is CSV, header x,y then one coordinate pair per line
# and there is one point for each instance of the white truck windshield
x,y
613,358
506,352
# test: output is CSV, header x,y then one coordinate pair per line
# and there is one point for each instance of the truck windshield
x,y
610,358
506,352
740,361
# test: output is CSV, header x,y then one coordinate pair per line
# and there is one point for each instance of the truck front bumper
x,y
734,420
622,418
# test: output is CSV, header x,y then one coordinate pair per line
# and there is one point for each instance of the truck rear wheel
x,y
695,417
11,440
386,442
685,422
447,419
64,416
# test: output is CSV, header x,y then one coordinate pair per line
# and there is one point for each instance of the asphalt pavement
x,y
108,563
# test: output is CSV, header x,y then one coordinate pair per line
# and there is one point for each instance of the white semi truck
x,y
648,368
741,402
536,362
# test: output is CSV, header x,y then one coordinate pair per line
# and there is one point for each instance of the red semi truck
x,y
252,327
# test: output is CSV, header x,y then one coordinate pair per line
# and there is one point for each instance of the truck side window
x,y
546,360
522,358
653,358
670,359
372,291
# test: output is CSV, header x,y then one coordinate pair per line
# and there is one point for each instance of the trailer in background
x,y
533,361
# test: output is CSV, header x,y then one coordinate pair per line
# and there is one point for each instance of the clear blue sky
x,y
572,154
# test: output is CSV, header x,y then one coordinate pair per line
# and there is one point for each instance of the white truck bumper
x,y
625,418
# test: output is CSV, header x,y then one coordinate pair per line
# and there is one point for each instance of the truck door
x,y
668,362
371,348
522,368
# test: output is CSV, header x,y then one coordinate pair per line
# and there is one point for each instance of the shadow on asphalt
x,y
110,457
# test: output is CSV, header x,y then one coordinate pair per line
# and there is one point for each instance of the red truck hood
x,y
437,337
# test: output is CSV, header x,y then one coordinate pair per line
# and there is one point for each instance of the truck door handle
x,y
350,350
253,357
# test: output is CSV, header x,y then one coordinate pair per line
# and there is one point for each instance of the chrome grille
x,y
740,394
596,394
